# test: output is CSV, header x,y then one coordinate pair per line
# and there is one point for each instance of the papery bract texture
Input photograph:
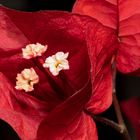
x,y
124,17
54,110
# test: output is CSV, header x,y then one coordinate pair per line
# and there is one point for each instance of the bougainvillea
x,y
123,16
55,109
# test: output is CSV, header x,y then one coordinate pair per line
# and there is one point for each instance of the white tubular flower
x,y
57,62
26,80
33,50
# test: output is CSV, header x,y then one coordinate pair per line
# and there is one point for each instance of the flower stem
x,y
120,119
111,123
125,133
120,126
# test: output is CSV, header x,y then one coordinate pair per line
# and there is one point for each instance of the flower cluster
x,y
58,108
28,77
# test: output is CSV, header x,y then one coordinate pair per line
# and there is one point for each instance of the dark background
x,y
127,86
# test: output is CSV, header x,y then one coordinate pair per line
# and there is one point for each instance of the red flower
x,y
124,17
54,110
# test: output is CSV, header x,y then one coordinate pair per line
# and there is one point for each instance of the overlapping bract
x,y
124,17
54,110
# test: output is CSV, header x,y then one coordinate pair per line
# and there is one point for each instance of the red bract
x,y
55,109
124,17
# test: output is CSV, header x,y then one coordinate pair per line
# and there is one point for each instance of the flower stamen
x,y
33,50
57,62
26,80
